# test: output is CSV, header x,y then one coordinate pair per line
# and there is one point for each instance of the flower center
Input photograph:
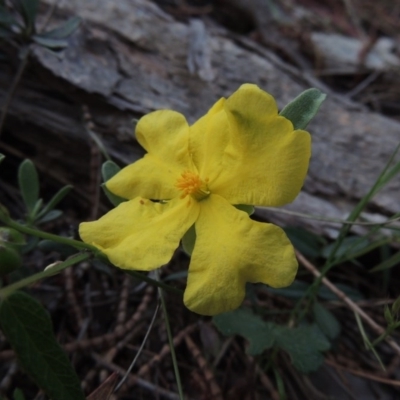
x,y
191,184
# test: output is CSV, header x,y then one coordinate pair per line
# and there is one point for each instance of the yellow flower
x,y
240,152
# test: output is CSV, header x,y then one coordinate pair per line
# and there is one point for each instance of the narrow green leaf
x,y
326,321
50,216
388,263
304,345
64,30
50,42
259,333
28,328
2,157
303,108
28,184
55,200
28,10
349,248
36,208
188,240
109,169
396,306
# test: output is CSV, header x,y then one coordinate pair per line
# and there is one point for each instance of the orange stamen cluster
x,y
191,184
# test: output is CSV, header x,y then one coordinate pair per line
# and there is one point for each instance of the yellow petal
x,y
207,140
230,250
150,177
140,234
254,155
165,135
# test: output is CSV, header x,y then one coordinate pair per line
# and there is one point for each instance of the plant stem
x,y
171,342
49,236
77,258
159,284
21,68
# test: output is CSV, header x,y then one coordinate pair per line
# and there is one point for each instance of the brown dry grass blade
x,y
104,391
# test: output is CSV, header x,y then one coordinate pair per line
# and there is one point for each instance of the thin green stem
x,y
77,258
49,236
171,342
85,246
24,62
154,282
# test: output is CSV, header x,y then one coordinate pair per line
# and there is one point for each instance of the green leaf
x,y
295,291
243,322
303,108
306,242
188,240
388,263
326,321
28,328
2,157
50,216
351,247
50,246
10,259
396,306
246,208
11,237
28,184
28,10
176,276
304,345
50,42
64,30
55,200
109,169
114,199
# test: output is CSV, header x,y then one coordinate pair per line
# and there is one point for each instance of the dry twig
x,y
350,303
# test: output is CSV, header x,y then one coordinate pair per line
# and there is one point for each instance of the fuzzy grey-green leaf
x,y
50,42
260,334
64,30
304,345
28,328
109,169
55,200
303,108
326,321
28,181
